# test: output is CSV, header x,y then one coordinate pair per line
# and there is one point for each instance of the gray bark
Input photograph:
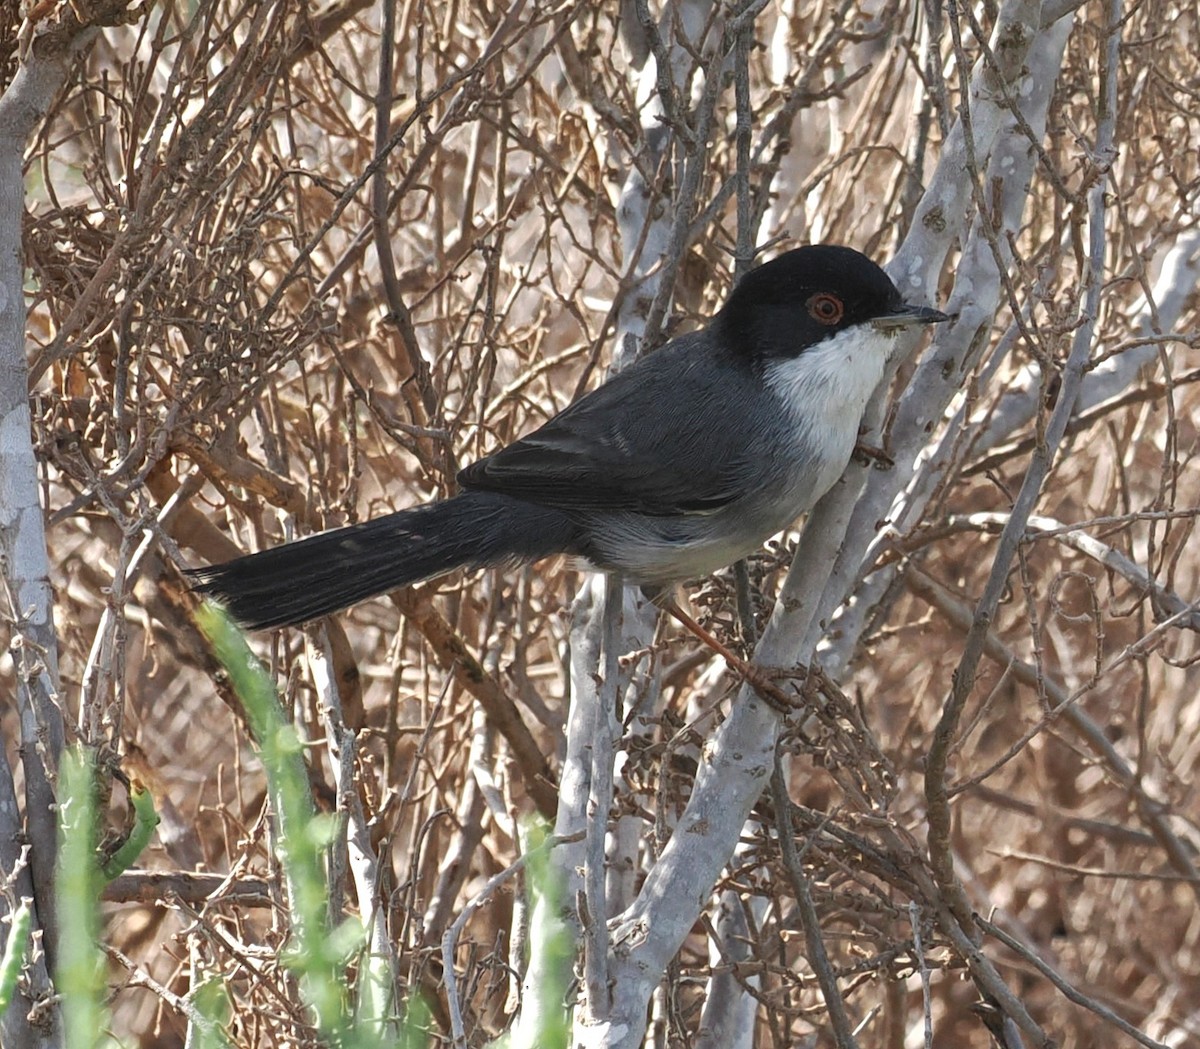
x,y
26,569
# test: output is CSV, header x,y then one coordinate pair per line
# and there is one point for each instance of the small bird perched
x,y
677,466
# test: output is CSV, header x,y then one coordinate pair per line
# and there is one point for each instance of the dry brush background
x,y
221,354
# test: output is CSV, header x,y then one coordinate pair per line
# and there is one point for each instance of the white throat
x,y
828,385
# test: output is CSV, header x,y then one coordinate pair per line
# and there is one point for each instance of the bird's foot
x,y
872,455
761,679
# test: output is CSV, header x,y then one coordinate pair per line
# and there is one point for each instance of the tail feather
x,y
324,573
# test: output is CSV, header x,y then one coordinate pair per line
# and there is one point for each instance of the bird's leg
x,y
754,676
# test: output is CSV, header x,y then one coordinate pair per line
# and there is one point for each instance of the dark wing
x,y
655,438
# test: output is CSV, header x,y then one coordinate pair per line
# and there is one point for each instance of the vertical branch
x,y
23,556
727,994
936,789
571,819
902,493
818,957
377,974
397,307
15,1026
600,799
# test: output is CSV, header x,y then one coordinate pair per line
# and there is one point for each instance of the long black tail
x,y
327,572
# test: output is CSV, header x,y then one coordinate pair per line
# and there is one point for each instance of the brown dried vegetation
x,y
220,361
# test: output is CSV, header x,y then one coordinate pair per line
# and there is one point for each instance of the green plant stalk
x,y
80,975
414,1032
550,938
316,953
145,819
14,952
212,1007
376,1009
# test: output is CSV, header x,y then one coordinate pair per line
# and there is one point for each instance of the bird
x,y
674,468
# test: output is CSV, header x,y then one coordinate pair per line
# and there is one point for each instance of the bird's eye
x,y
825,308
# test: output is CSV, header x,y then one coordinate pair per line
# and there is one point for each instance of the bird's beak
x,y
906,314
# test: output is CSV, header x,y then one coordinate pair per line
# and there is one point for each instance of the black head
x,y
809,294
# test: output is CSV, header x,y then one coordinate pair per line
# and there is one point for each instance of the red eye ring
x,y
825,308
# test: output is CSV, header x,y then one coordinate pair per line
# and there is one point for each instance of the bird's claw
x,y
872,455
